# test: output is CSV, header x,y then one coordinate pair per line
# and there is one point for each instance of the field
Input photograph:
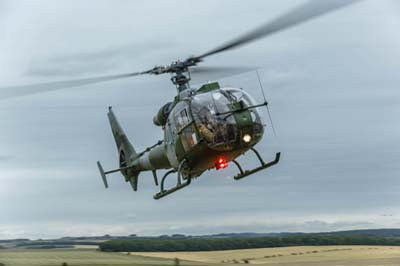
x,y
75,257
318,256
325,255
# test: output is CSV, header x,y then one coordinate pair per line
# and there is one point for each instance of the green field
x,y
75,257
288,256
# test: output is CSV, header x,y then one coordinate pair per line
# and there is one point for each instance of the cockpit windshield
x,y
211,112
238,95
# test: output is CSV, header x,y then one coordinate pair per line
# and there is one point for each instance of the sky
x,y
332,85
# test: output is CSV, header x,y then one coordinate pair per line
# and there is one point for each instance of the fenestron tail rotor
x,y
301,14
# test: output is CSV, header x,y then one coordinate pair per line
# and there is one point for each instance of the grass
x,y
291,256
77,257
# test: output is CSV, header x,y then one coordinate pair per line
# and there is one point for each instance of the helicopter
x,y
204,128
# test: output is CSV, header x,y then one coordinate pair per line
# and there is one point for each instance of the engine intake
x,y
160,119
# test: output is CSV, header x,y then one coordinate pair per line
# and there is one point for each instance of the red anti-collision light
x,y
221,163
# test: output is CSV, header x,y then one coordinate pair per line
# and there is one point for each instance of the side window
x,y
189,137
182,119
169,134
184,116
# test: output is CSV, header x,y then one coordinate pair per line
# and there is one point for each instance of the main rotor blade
x,y
16,91
200,74
303,13
225,70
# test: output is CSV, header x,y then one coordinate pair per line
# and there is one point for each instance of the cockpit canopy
x,y
212,113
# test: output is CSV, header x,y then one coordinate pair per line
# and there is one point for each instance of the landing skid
x,y
179,185
244,173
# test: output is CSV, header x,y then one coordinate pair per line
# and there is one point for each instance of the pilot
x,y
205,125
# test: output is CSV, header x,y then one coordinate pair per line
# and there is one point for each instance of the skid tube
x,y
243,173
179,185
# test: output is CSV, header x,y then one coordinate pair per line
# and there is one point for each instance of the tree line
x,y
159,245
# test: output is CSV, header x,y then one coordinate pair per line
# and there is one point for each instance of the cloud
x,y
5,158
333,96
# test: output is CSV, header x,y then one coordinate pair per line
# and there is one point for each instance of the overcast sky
x,y
332,84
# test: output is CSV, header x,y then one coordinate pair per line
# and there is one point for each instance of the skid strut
x,y
244,173
179,185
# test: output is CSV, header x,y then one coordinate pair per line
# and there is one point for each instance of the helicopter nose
x,y
249,128
245,127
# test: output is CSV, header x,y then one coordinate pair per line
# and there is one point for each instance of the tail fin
x,y
127,153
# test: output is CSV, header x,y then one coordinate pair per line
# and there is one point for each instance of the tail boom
x,y
130,162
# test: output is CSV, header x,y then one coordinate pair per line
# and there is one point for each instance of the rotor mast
x,y
180,72
181,81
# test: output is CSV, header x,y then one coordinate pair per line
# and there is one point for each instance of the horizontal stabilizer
x,y
105,173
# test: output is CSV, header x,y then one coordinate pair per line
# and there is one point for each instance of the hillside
x,y
288,256
202,242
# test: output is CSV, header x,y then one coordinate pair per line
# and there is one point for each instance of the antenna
x,y
266,103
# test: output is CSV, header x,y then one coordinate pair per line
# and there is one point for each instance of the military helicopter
x,y
204,128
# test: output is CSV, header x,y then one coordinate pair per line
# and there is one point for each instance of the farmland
x,y
321,256
76,257
286,256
